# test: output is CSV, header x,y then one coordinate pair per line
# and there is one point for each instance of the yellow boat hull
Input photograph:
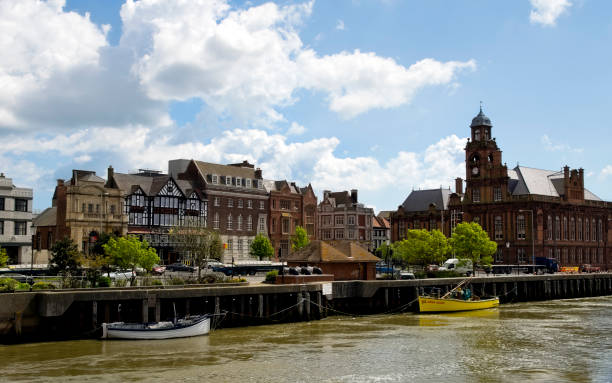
x,y
431,305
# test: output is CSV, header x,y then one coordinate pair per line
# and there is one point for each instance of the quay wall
x,y
79,313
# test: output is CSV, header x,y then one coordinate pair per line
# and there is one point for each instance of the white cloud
x,y
552,147
340,25
606,172
546,12
296,129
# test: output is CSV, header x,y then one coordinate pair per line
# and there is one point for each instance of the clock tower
x,y
486,176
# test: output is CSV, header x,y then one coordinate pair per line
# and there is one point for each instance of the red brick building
x,y
568,222
289,206
342,217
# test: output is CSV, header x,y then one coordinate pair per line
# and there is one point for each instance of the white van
x,y
453,265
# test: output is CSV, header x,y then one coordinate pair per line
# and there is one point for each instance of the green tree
x,y
198,243
94,264
65,257
299,239
261,247
470,242
439,247
422,247
129,253
3,257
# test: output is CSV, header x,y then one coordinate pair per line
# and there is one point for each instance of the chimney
x,y
60,182
354,195
326,193
581,174
258,173
1,175
459,185
566,171
110,174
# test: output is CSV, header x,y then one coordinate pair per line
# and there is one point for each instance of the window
x,y
262,224
261,205
239,243
521,256
249,204
477,135
112,209
228,181
238,181
273,226
339,220
249,223
600,255
296,205
230,202
564,257
240,222
572,229
579,229
557,228
259,184
286,226
215,179
21,204
1,203
240,204
229,222
351,219
579,256
499,228
97,208
557,254
572,256
549,228
216,221
593,231
327,220
230,244
339,234
476,195
600,230
20,227
586,229
83,208
284,204
520,227
247,182
249,242
565,228
90,208
497,194
432,223
499,256
351,234
1,227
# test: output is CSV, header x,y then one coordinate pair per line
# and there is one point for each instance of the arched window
x,y
593,231
549,228
216,221
565,228
249,223
240,222
499,228
572,229
587,226
579,229
557,228
230,224
600,230
477,135
520,227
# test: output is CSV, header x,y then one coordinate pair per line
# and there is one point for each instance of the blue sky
x,y
369,94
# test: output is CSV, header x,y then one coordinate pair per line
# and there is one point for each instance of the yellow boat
x,y
430,305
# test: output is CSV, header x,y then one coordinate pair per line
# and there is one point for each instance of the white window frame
x,y
228,181
247,182
215,179
238,181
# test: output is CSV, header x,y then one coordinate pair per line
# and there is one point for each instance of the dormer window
x,y
259,184
238,181
228,181
215,179
247,182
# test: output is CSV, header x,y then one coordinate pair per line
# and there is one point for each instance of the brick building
x,y
422,209
290,206
341,216
237,201
82,209
568,222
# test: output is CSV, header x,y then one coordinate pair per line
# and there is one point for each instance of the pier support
x,y
94,314
145,311
260,310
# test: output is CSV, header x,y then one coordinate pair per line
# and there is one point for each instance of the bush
x,y
444,274
8,285
271,276
236,280
156,282
43,286
175,281
121,282
23,286
420,274
104,282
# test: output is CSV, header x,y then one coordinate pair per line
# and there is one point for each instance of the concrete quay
x,y
78,313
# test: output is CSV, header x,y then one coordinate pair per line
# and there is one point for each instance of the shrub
x,y
420,275
271,276
121,282
23,286
156,282
8,285
236,280
444,274
104,282
177,281
43,286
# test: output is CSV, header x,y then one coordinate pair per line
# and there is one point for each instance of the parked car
x,y
158,269
432,268
122,274
177,266
406,275
586,268
18,277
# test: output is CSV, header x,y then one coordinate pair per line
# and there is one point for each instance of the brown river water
x,y
554,341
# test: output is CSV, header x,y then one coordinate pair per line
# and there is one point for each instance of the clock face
x,y
475,171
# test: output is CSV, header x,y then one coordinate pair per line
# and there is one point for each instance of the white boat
x,y
190,326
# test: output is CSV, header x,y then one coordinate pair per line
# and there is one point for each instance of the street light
x,y
532,237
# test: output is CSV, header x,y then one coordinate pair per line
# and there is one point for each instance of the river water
x,y
564,340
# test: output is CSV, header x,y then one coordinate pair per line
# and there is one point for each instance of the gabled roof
x,y
419,200
47,218
340,252
150,185
524,180
380,222
277,186
86,175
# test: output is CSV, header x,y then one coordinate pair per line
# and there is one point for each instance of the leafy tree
x,y
200,243
470,242
94,265
299,239
422,247
3,257
65,257
261,247
129,253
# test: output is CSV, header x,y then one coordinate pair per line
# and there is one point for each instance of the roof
x,y
86,175
419,200
481,120
524,180
225,170
380,222
277,186
47,218
340,252
150,185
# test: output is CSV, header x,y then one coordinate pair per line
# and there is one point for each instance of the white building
x,y
15,221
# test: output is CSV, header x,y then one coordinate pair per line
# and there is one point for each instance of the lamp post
x,y
532,237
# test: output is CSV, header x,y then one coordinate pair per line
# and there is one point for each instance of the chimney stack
x,y
326,193
258,173
459,185
354,195
60,182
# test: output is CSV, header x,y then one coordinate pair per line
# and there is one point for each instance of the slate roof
x,y
524,180
86,175
380,222
207,168
419,200
340,252
271,185
47,218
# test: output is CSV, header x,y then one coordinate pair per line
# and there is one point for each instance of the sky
x,y
374,95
